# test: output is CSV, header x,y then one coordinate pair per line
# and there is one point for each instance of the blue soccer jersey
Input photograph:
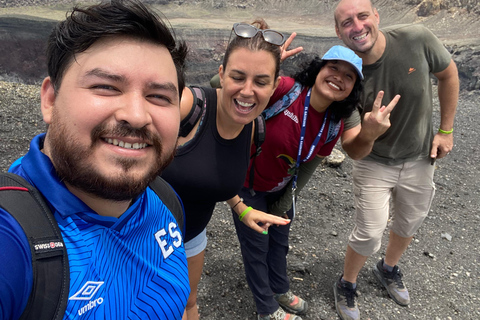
x,y
131,267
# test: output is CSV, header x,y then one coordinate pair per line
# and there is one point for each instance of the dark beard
x,y
69,161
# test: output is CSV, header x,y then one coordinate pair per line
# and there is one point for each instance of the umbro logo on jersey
x,y
411,70
88,291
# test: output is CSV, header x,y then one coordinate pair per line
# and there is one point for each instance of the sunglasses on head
x,y
245,30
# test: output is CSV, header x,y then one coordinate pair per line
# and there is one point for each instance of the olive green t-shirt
x,y
411,55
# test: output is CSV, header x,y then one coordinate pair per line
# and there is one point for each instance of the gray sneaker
x,y
345,301
279,315
392,281
291,303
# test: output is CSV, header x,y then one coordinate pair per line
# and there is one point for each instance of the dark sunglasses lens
x,y
273,37
245,30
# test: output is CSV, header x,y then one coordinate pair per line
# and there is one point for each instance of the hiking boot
x,y
279,315
345,300
392,281
291,303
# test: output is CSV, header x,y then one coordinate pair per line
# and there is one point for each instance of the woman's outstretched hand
x,y
254,217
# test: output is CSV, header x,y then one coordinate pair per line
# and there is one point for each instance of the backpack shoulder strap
x,y
51,273
168,196
333,129
259,133
258,138
199,101
285,102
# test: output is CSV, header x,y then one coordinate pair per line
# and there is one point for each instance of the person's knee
x,y
365,243
403,232
407,228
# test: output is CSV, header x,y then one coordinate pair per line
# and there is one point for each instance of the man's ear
x,y
47,99
338,32
375,12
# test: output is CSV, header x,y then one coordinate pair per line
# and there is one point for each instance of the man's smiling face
x,y
113,122
356,24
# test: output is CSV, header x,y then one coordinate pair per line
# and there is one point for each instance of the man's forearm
x,y
448,90
355,144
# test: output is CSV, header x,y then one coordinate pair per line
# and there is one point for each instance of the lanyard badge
x,y
300,145
293,202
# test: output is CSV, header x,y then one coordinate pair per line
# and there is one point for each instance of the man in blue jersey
x,y
111,102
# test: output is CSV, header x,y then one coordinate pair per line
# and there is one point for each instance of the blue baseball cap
x,y
347,55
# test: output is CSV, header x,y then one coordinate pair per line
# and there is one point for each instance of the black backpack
x,y
51,274
198,108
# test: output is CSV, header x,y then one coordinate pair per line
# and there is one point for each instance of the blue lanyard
x,y
302,138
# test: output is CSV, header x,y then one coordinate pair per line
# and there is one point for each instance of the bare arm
x,y
358,141
448,88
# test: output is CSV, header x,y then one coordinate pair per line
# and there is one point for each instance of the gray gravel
x,y
442,274
441,266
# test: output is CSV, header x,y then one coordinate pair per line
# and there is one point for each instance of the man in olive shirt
x,y
399,164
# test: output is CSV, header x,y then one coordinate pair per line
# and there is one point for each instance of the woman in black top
x,y
202,170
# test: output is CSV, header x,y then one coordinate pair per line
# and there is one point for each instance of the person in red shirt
x,y
306,120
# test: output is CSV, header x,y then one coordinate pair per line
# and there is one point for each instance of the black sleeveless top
x,y
208,169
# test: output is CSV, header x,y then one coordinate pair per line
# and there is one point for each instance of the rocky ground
x,y
442,264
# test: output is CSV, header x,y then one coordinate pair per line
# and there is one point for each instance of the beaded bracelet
x,y
445,132
240,217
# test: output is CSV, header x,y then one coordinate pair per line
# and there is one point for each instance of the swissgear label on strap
x,y
48,246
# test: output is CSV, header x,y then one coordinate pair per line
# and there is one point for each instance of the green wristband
x,y
445,132
240,217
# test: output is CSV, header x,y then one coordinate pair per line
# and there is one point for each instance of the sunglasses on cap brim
x,y
245,30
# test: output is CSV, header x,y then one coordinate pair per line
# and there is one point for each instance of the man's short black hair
x,y
84,26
